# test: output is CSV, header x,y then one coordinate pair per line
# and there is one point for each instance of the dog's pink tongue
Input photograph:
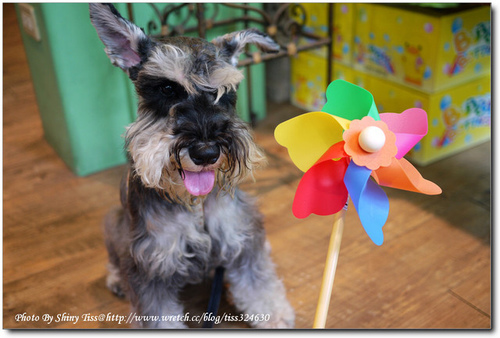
x,y
199,183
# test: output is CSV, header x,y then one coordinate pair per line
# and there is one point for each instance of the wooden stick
x,y
329,272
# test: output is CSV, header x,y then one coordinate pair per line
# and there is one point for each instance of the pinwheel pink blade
x,y
409,127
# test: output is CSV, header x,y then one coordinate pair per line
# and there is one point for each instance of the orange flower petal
x,y
401,174
374,160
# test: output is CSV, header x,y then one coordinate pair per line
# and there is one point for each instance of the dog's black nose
x,y
204,154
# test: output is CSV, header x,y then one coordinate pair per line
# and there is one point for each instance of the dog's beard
x,y
160,162
189,187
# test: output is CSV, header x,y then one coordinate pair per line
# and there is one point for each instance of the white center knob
x,y
371,139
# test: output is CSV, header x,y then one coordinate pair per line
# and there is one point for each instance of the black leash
x,y
215,296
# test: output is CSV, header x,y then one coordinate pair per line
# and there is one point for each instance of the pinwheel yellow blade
x,y
308,136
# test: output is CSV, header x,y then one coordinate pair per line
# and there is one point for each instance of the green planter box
x,y
85,102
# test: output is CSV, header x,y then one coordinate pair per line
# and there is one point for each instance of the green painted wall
x,y
84,101
82,98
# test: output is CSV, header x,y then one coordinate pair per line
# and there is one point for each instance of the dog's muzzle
x,y
204,154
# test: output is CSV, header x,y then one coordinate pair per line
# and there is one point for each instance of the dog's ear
x,y
231,45
126,44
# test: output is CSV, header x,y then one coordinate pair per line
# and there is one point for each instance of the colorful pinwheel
x,y
339,149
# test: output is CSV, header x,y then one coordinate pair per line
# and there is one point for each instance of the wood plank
x,y
433,270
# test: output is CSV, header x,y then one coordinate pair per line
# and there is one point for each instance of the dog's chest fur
x,y
172,240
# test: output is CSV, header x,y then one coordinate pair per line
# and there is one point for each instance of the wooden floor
x,y
433,271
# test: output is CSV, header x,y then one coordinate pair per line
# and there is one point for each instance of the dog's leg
x,y
155,304
253,283
258,292
112,223
159,263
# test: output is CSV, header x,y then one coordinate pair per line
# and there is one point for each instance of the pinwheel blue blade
x,y
370,201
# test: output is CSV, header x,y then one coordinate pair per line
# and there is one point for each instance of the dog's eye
x,y
212,95
228,99
167,90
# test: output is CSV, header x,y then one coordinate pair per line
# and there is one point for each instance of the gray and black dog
x,y
182,214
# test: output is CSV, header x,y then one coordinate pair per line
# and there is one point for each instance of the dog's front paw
x,y
283,319
171,325
113,281
116,289
158,324
277,323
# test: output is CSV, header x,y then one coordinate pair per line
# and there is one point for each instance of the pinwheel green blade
x,y
351,102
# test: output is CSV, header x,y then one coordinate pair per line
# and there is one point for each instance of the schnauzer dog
x,y
182,214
